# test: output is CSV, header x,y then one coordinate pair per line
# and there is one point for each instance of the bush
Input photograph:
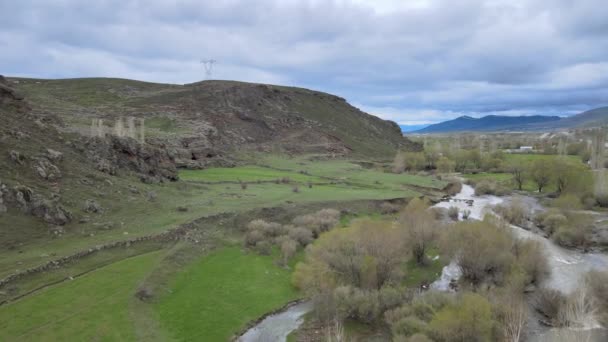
x,y
438,213
568,236
553,221
271,229
568,202
453,213
465,214
288,249
487,187
514,213
319,222
253,237
531,259
597,282
389,208
454,187
367,255
300,234
549,303
470,319
263,247
482,249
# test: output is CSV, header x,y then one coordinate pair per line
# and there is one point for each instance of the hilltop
x,y
207,123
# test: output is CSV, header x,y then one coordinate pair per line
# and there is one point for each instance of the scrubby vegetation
x,y
487,253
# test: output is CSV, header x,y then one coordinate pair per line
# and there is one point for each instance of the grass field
x,y
351,172
216,297
217,294
94,307
245,174
133,215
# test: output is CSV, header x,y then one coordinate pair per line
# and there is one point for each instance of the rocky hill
x,y
72,149
213,122
48,174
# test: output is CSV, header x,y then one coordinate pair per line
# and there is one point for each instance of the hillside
x,y
591,118
487,123
207,123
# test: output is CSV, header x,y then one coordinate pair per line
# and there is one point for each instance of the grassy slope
x,y
134,216
79,100
92,307
209,304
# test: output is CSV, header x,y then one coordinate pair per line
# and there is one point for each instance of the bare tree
x,y
419,227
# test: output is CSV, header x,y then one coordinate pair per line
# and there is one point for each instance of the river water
x,y
568,268
276,327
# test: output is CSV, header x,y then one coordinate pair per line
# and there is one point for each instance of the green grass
x,y
216,297
94,307
245,174
139,217
528,158
350,172
415,275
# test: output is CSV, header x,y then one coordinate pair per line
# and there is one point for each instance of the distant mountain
x,y
412,128
591,118
487,123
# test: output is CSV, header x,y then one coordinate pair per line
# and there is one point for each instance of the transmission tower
x,y
208,65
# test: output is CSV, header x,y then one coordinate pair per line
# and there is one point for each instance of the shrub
x,y
253,237
597,283
488,187
514,213
389,208
532,260
553,221
470,319
243,186
300,234
438,213
454,187
263,247
482,249
288,249
588,201
271,229
571,235
453,213
465,214
319,222
549,303
568,202
367,255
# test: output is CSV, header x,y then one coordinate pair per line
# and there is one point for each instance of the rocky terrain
x,y
69,148
47,173
207,123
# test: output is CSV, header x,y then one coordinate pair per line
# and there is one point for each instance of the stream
x,y
568,268
276,327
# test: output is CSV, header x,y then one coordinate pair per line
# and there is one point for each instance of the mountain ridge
x,y
590,118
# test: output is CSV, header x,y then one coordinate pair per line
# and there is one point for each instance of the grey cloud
x,y
441,57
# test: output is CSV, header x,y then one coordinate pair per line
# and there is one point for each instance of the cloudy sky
x,y
411,61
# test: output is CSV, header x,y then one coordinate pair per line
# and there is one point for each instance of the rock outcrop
x,y
111,154
24,198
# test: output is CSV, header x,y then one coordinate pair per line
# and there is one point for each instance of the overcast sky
x,y
411,61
